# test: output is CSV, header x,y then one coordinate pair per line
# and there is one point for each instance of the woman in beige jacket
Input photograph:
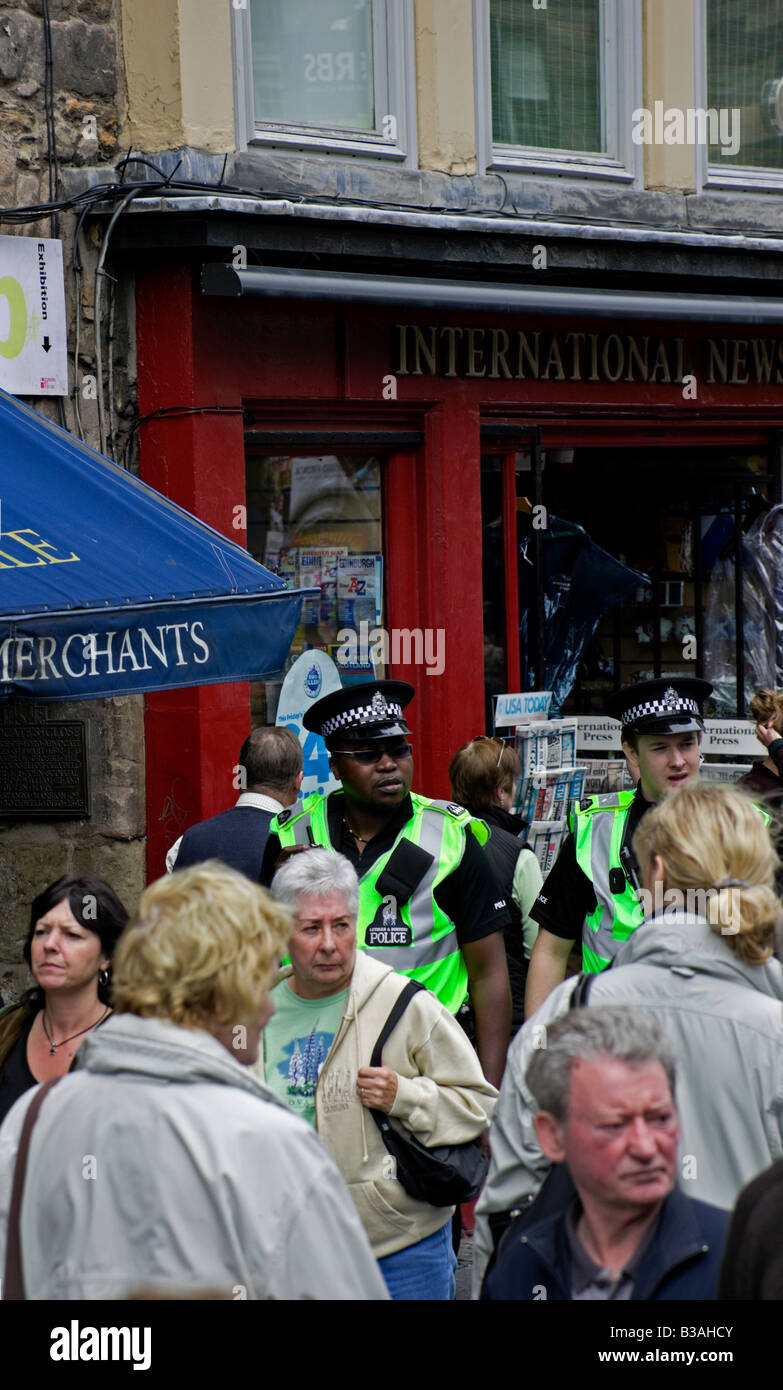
x,y
331,1004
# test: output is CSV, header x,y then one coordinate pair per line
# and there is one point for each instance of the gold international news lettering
x,y
500,354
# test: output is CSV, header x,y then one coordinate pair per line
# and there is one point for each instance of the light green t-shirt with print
x,y
296,1041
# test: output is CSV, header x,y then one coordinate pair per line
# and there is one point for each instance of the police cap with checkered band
x,y
370,710
670,705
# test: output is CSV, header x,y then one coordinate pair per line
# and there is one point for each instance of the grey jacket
x,y
163,1164
726,1023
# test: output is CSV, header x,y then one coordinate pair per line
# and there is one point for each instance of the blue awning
x,y
109,588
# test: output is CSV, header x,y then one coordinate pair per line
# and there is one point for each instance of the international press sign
x,y
597,733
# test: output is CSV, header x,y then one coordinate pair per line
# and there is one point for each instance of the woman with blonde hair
x,y
703,964
764,778
163,1164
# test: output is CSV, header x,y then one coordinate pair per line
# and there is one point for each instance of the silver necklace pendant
x,y
52,1049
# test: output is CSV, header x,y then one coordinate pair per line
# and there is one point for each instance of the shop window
x,y
327,74
674,518
556,85
316,521
744,88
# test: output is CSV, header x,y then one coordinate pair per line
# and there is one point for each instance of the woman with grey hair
x,y
331,1005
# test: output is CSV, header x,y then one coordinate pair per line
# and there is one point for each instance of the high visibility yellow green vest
x,y
598,827
432,954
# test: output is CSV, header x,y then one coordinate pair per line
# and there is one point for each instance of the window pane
x,y
744,53
313,62
546,69
317,523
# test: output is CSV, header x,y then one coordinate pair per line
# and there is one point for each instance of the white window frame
x,y
714,175
395,93
621,89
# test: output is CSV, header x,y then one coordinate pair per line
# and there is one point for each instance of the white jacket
x,y
726,1023
164,1164
442,1097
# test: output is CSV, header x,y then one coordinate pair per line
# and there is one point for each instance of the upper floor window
x,y
744,92
556,85
327,74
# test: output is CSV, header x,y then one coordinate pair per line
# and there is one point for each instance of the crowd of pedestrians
x,y
291,1091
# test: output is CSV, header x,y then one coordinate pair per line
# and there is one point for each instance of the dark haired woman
x,y
75,924
764,778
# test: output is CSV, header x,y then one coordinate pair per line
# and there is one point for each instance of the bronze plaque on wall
x,y
43,770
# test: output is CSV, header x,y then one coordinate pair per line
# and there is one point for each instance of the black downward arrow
x,y
46,344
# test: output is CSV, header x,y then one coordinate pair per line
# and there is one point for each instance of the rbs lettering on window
x,y
335,67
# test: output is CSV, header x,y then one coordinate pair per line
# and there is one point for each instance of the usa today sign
x,y
528,704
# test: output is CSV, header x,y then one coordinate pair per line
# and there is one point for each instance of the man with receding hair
x,y
604,1087
270,764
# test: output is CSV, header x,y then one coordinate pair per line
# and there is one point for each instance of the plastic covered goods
x,y
581,581
762,603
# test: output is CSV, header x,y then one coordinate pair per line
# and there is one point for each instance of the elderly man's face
x,y
620,1135
322,947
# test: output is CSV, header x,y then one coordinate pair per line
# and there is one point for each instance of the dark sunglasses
x,y
367,756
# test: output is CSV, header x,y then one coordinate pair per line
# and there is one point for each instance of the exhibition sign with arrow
x,y
33,343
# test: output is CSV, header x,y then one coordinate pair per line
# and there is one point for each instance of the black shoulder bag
x,y
444,1176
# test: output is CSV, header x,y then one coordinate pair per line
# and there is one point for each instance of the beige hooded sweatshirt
x,y
442,1098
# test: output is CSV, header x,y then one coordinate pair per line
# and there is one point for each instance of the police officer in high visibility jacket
x,y
428,904
589,892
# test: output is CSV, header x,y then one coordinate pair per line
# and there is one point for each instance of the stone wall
x,y
110,843
85,41
88,108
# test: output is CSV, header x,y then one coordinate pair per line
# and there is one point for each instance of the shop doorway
x,y
680,514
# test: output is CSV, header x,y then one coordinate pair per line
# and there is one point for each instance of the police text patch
x,y
398,935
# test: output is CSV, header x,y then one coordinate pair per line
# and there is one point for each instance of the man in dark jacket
x,y
604,1082
753,1264
270,774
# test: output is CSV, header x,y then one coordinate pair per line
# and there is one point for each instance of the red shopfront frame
x,y
229,365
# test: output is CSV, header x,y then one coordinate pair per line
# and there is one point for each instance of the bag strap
x,y
404,870
398,1009
400,1005
14,1276
581,991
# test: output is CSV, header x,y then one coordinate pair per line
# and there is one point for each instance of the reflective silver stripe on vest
x,y
419,910
299,829
602,824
